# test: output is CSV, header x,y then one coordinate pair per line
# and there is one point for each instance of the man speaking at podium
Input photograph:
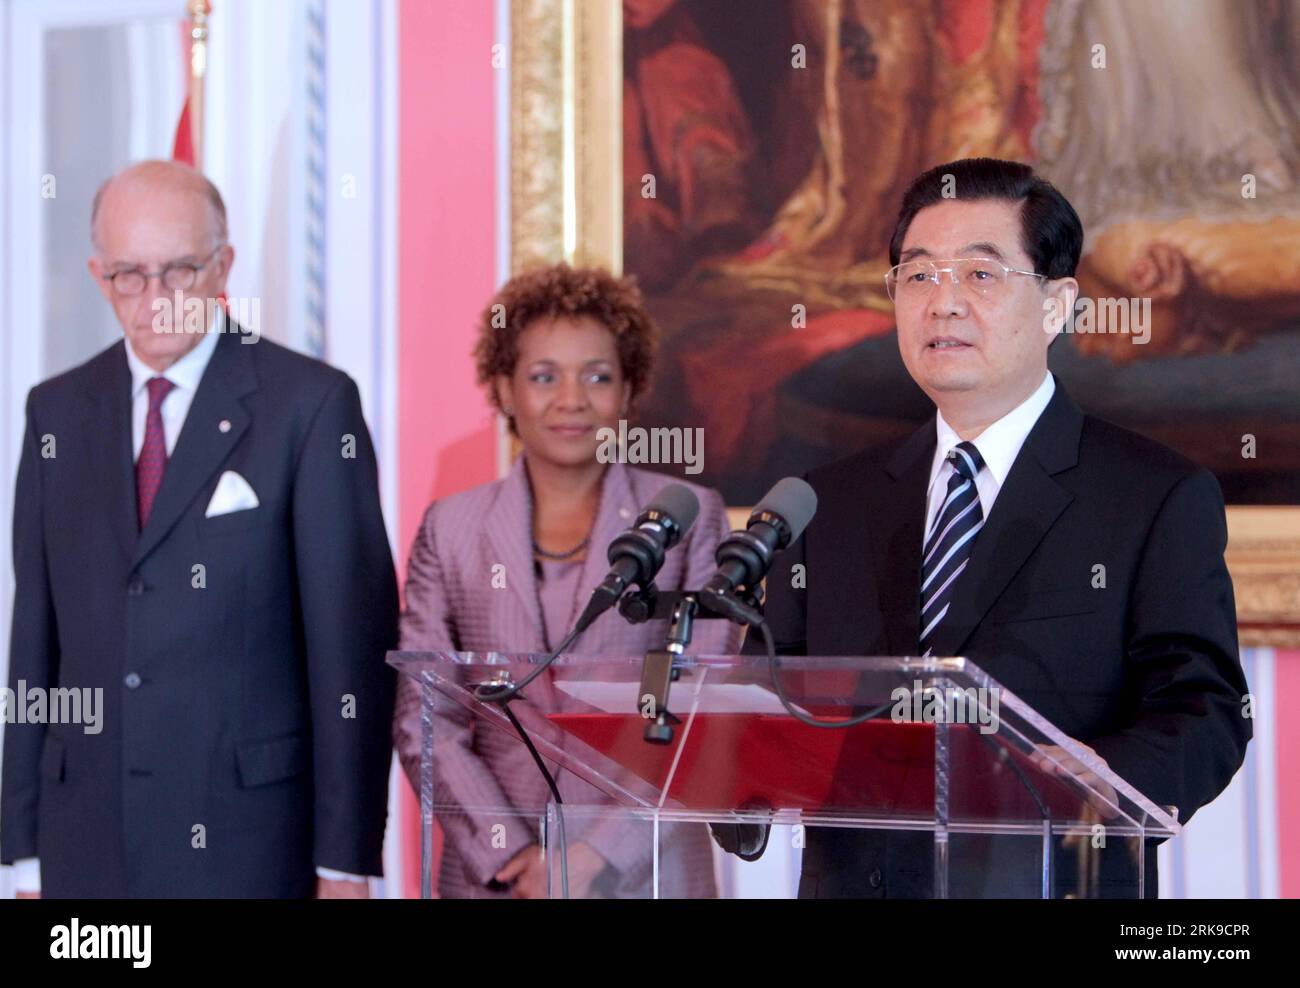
x,y
985,532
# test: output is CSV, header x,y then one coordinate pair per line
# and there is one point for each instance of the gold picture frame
x,y
566,205
1264,559
566,133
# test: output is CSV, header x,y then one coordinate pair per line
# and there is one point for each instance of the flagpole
x,y
198,11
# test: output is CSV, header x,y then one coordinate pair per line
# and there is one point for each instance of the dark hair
x,y
563,291
1050,230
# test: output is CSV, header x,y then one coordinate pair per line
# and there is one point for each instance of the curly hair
x,y
566,292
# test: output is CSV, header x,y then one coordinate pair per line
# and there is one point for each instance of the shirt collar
x,y
186,372
1000,443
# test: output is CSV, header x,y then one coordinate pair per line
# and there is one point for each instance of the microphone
x,y
638,553
745,557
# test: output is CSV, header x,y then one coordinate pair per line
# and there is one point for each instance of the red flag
x,y
183,146
183,143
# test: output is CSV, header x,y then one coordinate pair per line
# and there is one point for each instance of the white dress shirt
x,y
185,374
999,445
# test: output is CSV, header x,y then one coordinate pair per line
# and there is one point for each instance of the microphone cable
x,y
773,665
555,795
502,695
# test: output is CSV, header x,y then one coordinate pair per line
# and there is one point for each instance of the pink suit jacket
x,y
451,604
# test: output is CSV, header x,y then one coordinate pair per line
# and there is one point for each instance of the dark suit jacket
x,y
245,735
1146,670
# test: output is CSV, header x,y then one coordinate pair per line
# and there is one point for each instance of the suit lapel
x,y
897,525
615,498
203,443
617,511
509,529
113,452
1027,506
510,534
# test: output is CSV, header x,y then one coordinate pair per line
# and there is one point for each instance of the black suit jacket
x,y
246,720
1145,670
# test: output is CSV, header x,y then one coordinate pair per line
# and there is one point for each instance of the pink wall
x,y
1286,684
446,271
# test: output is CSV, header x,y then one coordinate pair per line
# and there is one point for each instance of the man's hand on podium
x,y
1055,760
526,872
746,841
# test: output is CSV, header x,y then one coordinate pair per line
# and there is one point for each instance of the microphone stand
x,y
662,667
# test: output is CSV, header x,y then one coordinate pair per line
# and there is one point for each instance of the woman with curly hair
x,y
563,353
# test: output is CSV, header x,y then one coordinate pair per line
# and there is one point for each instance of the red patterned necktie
x,y
153,454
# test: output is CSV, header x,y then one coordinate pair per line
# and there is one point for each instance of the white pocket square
x,y
233,493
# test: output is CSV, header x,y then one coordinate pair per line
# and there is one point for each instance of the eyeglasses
x,y
178,276
981,276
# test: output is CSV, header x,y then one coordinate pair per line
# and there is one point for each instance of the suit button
x,y
875,878
132,680
136,587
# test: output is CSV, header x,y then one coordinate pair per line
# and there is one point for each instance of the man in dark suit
x,y
1079,564
198,534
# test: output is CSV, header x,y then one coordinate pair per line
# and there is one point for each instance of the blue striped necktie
x,y
951,540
